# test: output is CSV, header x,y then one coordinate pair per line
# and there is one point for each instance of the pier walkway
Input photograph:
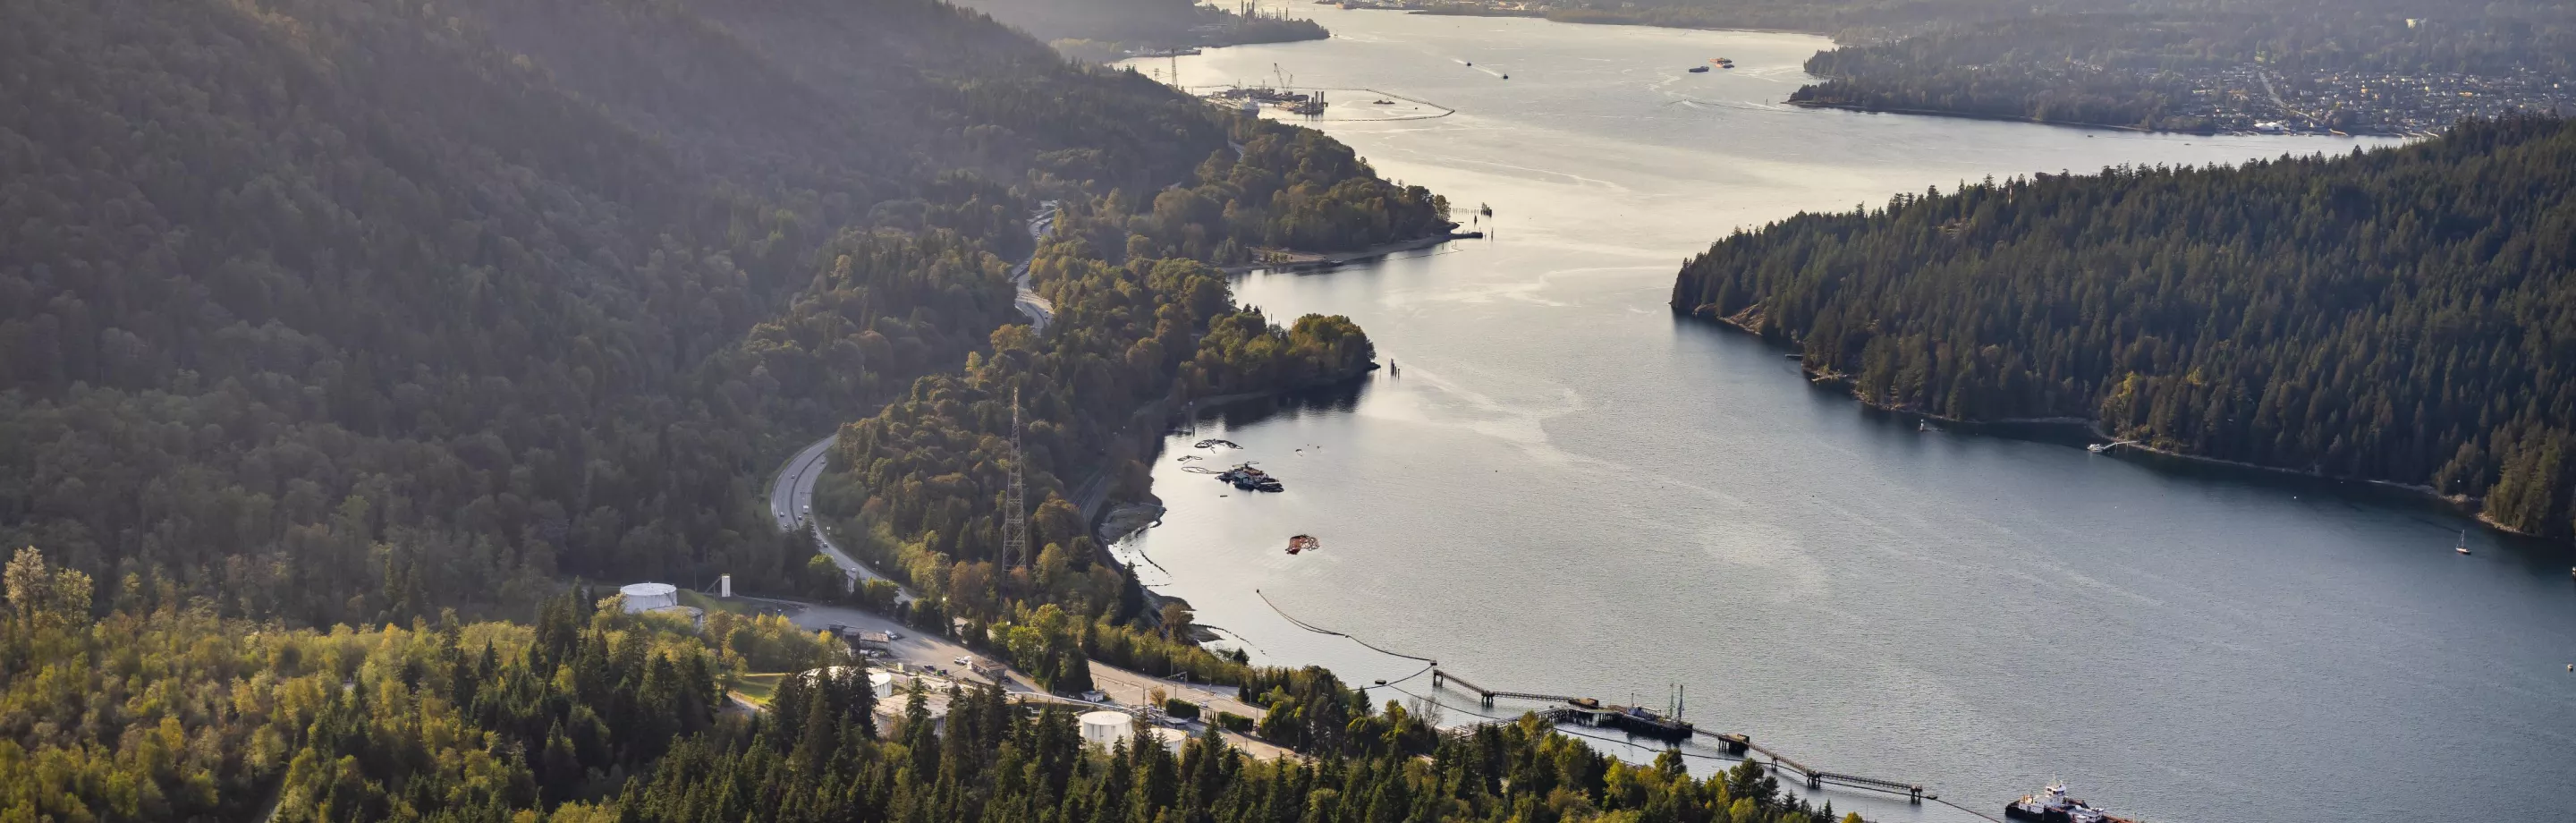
x,y
1593,712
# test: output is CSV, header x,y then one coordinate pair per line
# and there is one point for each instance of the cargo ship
x,y
2052,805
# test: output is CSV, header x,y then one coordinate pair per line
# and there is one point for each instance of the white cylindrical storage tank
x,y
645,597
1172,739
1105,727
882,683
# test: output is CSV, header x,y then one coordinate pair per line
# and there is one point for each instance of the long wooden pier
x,y
1589,712
1438,677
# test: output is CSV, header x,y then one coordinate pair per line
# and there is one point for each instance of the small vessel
x,y
1507,77
2098,448
2463,547
1303,543
1925,426
1382,103
1699,69
1247,478
2052,805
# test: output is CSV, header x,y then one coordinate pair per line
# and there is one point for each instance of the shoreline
x,y
1333,259
2000,118
2457,504
1480,11
1105,524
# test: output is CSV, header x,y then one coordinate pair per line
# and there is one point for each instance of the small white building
x,y
645,597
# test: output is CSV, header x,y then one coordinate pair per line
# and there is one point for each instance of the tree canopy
x,y
2400,314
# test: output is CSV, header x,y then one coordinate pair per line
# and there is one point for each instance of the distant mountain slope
x,y
2405,315
330,308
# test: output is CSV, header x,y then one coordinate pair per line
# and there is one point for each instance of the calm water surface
x,y
1570,490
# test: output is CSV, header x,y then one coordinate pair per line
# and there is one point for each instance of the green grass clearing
x,y
711,604
758,687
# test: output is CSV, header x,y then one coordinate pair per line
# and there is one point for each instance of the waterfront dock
x,y
1640,722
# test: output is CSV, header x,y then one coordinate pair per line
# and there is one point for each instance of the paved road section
x,y
1040,311
791,501
791,497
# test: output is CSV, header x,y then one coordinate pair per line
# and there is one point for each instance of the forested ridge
x,y
342,309
2400,314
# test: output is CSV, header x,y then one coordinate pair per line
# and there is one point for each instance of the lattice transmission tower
x,y
1015,510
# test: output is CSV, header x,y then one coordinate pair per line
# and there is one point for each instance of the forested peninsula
x,y
2399,315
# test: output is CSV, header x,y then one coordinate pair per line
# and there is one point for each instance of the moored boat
x,y
2052,805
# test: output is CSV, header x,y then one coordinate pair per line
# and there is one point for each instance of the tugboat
x,y
2053,806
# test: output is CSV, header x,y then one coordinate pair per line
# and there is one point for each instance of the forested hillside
x,y
595,716
2399,315
339,309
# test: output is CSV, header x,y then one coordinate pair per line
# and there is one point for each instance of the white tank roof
x,y
644,597
1105,727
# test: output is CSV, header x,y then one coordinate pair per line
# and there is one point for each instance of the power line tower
x,y
1015,510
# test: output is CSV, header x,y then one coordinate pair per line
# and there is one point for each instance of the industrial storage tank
x,y
882,683
1106,727
1172,739
645,597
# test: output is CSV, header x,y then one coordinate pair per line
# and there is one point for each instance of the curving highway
x,y
791,495
1040,311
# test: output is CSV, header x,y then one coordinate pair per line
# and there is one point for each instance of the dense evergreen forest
x,y
338,310
2399,315
164,712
